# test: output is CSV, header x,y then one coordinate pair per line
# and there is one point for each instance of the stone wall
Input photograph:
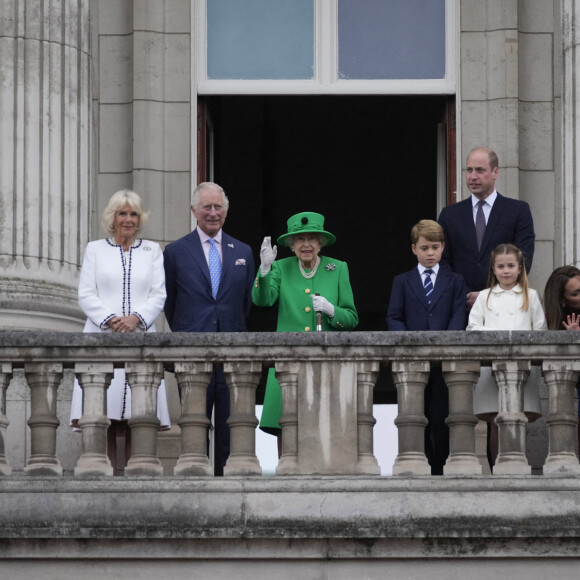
x,y
510,87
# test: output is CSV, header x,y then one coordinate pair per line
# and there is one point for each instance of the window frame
x,y
325,79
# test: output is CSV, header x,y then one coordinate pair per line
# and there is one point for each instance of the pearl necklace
x,y
312,272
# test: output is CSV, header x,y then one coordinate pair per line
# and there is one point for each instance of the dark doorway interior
x,y
368,163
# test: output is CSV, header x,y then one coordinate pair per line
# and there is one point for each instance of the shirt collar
x,y
204,237
517,289
422,269
490,199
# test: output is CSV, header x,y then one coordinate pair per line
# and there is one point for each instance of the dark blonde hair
x,y
554,303
429,229
522,280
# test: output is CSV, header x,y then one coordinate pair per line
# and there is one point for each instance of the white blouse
x,y
503,311
118,283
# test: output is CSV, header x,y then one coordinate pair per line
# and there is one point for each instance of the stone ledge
x,y
17,347
293,508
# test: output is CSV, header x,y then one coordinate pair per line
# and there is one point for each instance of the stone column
x,y
366,376
410,379
242,379
460,377
511,377
287,375
570,187
45,179
5,376
490,106
561,376
43,380
193,379
94,379
144,379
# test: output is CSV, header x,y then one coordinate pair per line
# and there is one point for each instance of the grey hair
x,y
118,201
322,240
206,185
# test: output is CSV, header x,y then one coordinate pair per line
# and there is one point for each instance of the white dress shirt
x,y
422,269
203,238
487,205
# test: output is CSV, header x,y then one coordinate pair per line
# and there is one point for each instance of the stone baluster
x,y
94,379
144,379
287,375
366,376
5,376
43,380
561,377
511,377
193,379
242,379
460,377
410,379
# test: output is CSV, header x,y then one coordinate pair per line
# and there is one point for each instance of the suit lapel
x,y
443,278
227,256
197,253
467,216
416,284
492,222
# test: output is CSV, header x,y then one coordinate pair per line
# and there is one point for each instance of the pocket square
x,y
240,262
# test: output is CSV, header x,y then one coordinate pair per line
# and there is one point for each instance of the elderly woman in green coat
x,y
304,285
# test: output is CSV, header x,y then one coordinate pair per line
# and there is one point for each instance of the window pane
x,y
391,39
260,39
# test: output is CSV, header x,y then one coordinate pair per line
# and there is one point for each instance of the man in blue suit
x,y
208,278
475,226
430,297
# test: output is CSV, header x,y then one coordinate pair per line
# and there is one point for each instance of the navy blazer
x,y
408,307
510,222
190,306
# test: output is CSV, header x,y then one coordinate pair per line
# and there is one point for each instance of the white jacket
x,y
117,283
503,312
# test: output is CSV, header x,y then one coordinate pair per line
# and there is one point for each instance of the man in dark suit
x,y
430,297
208,278
475,226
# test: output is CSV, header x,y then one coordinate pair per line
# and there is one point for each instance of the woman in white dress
x,y
122,289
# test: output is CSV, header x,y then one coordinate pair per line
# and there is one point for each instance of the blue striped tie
x,y
428,285
215,267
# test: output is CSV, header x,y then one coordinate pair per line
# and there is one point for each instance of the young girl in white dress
x,y
508,303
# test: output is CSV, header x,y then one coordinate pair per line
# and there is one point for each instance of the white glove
x,y
267,255
321,304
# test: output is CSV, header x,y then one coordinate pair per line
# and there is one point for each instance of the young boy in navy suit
x,y
430,297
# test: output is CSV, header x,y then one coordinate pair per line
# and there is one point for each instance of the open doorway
x,y
367,163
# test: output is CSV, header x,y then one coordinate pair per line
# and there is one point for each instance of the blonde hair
x,y
501,250
117,202
429,229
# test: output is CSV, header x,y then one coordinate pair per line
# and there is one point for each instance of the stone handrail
x,y
327,381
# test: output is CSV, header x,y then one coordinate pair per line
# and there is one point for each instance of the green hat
x,y
307,222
